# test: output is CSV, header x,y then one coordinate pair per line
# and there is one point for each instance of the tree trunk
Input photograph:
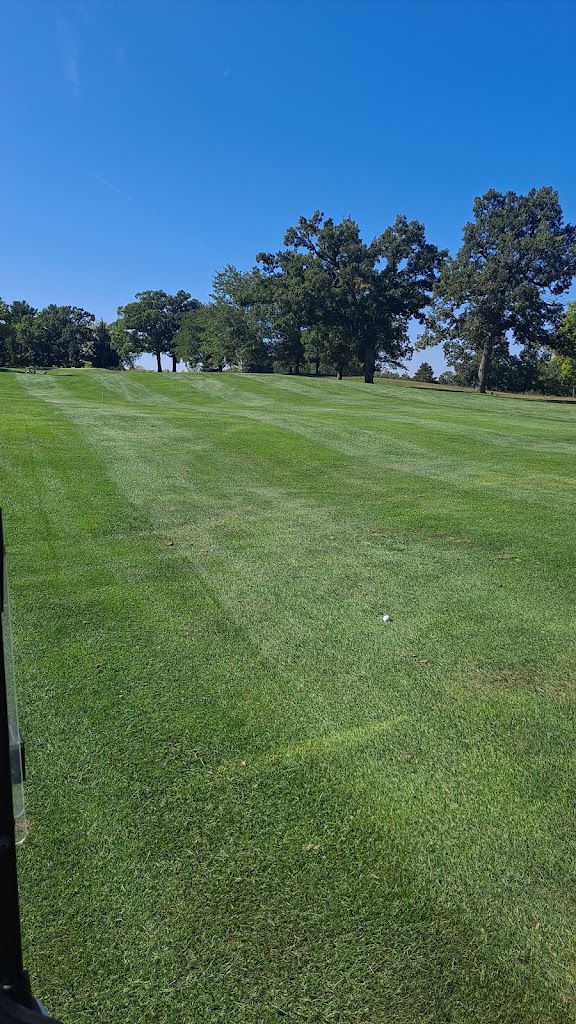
x,y
484,367
297,369
317,365
339,374
159,361
369,363
174,361
290,370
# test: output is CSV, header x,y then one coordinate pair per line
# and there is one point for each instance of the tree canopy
x,y
358,297
565,340
564,359
56,336
425,373
103,354
517,256
151,323
229,331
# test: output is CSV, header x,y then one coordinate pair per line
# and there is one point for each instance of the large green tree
x,y
56,336
202,340
244,318
517,256
361,297
288,287
151,323
564,368
102,352
229,330
11,352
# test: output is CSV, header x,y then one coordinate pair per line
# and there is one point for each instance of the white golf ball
x,y
386,618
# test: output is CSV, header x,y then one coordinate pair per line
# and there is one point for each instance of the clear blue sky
x,y
146,145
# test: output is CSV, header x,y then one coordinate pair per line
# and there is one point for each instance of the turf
x,y
251,800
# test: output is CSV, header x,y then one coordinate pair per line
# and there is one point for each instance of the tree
x,y
151,324
244,318
6,333
360,297
565,340
537,371
425,373
565,348
201,340
56,336
328,354
329,351
516,257
284,287
19,309
10,317
564,367
102,353
228,331
313,348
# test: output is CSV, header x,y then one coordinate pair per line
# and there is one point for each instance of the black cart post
x,y
17,1004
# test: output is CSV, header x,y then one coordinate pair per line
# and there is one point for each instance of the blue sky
x,y
146,145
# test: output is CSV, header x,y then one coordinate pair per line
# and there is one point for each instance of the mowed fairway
x,y
251,800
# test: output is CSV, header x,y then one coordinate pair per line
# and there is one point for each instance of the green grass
x,y
251,800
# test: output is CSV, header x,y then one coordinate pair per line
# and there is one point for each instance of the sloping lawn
x,y
251,800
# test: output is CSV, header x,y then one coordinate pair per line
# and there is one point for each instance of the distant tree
x,y
102,353
244,318
565,341
425,373
202,340
227,331
6,333
19,309
332,353
285,288
516,256
564,347
462,362
313,348
359,297
327,352
151,324
529,371
288,349
560,376
447,377
56,336
10,316
177,305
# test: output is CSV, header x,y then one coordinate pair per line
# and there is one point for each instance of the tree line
x,y
54,336
329,302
